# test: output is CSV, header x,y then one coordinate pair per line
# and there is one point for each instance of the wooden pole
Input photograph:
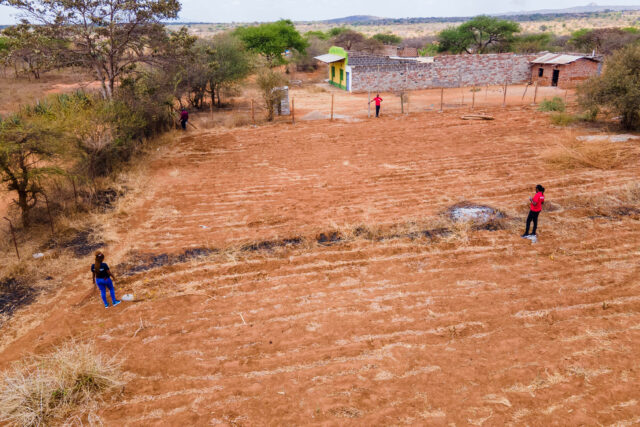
x,y
535,93
402,102
525,92
566,94
504,99
13,236
473,98
46,200
332,106
293,111
369,106
441,99
253,113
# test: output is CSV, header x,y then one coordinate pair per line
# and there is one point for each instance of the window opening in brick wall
x,y
540,72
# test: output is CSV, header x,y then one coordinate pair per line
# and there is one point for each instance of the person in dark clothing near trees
x,y
102,279
377,100
184,118
536,206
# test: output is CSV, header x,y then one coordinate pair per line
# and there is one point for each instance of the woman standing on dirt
x,y
536,206
377,100
102,278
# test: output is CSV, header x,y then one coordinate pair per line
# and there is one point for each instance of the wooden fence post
x,y
293,111
369,106
75,192
473,97
253,115
401,102
441,99
535,93
13,236
504,99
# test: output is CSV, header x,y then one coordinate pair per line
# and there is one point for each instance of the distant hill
x,y
590,8
524,16
351,19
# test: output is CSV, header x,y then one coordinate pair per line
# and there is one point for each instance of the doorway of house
x,y
556,77
347,86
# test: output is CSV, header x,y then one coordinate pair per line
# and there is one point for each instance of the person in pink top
x,y
377,100
536,206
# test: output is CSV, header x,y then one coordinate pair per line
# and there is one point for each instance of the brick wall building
x,y
564,71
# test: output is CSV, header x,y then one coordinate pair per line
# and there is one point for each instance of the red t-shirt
x,y
378,100
536,203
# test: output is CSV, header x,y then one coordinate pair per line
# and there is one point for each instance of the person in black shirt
x,y
102,278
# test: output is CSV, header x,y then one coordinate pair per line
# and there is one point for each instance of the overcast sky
x,y
269,10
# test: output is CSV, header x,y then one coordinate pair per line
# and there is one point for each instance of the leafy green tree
x,y
228,62
29,150
617,89
388,38
336,31
353,40
532,43
272,40
316,34
602,40
477,35
317,46
108,36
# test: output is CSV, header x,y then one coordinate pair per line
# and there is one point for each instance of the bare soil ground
x,y
307,307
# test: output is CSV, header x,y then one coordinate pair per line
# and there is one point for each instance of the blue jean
x,y
103,284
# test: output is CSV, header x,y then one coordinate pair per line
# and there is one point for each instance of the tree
x,y
269,81
353,40
477,35
109,36
29,147
532,43
602,40
388,38
32,46
228,62
317,46
617,89
272,40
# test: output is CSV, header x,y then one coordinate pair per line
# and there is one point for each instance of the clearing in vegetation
x,y
326,273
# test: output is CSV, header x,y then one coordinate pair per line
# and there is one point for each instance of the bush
x,y
562,119
617,90
554,104
48,389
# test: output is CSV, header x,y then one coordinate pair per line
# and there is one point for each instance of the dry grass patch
x,y
573,154
61,387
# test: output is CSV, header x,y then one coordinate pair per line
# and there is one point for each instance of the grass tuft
x,y
575,154
49,389
554,104
562,119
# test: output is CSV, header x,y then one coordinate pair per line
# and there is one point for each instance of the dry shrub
x,y
587,154
315,89
562,119
235,120
48,389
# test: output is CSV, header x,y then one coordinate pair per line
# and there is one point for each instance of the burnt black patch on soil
x,y
105,200
329,238
140,262
267,245
626,211
80,242
15,294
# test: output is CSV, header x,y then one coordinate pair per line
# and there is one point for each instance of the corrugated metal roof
x,y
559,59
329,58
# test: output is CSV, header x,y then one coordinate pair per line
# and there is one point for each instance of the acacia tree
x,y
272,40
477,35
32,47
108,36
28,149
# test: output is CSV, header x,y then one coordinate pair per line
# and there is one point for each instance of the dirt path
x,y
488,330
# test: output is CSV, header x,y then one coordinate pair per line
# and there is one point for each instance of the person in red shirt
x,y
377,100
536,206
184,118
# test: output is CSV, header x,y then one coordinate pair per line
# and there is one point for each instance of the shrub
x,y
562,119
269,81
617,89
554,104
50,388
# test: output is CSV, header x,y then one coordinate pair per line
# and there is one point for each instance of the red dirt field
x,y
475,328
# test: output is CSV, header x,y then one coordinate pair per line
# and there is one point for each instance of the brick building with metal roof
x,y
563,70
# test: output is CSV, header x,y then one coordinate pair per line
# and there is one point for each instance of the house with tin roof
x,y
564,70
